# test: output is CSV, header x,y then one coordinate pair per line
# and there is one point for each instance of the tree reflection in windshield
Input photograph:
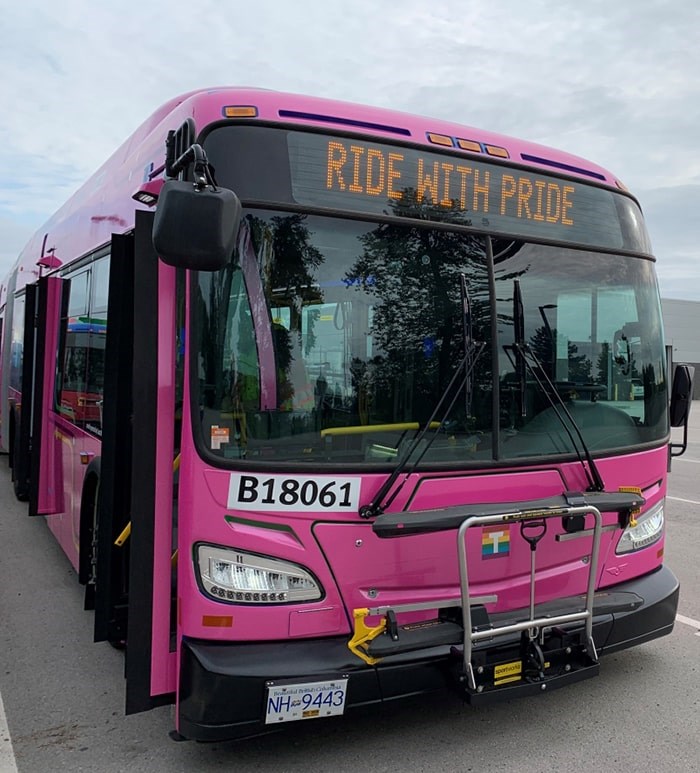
x,y
414,276
330,340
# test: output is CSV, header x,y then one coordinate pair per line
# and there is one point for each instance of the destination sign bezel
x,y
361,176
290,167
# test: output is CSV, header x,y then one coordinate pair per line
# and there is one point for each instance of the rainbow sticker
x,y
495,541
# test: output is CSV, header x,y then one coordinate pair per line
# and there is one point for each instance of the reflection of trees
x,y
285,260
543,344
288,261
213,297
417,331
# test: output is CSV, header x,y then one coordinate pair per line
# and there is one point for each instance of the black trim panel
x,y
223,686
115,468
143,466
404,524
21,453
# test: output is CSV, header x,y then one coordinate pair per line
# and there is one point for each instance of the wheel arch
x,y
88,502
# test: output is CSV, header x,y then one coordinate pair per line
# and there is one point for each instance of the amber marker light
x,y
217,621
495,150
471,145
440,139
240,111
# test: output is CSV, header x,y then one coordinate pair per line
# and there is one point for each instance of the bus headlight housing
x,y
649,528
233,575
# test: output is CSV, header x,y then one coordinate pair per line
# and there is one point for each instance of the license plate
x,y
305,700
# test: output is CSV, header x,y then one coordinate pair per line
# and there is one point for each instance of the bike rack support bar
x,y
508,518
437,604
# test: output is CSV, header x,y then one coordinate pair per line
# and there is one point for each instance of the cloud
x,y
606,81
671,215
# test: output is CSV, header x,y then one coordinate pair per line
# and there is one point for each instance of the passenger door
x,y
135,504
46,474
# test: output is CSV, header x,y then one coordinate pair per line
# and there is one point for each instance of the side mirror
x,y
195,226
681,395
681,398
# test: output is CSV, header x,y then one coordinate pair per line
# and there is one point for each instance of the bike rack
x,y
555,648
533,625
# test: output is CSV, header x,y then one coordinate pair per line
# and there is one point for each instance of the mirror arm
x,y
194,155
682,446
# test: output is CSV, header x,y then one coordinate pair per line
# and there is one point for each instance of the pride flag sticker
x,y
495,541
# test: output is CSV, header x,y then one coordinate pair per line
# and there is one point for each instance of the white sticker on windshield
x,y
319,493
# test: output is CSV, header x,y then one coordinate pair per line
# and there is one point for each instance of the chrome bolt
x,y
544,687
480,688
372,593
480,670
568,650
358,543
567,667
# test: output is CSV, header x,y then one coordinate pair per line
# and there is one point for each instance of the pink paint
x,y
354,566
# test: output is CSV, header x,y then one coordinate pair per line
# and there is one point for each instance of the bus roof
x,y
105,200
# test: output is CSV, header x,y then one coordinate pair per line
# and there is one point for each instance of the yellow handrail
x,y
124,536
126,531
366,428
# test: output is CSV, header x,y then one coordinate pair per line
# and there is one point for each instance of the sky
x,y
614,81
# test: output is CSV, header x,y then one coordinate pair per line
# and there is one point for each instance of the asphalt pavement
x,y
62,696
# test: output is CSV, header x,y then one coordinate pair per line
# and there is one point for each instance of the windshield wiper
x,y
472,351
520,364
468,340
523,354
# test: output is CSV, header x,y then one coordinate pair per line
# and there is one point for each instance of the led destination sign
x,y
453,185
354,175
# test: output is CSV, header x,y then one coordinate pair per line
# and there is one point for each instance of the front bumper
x,y
223,686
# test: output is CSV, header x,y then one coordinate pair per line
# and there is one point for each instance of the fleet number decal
x,y
323,493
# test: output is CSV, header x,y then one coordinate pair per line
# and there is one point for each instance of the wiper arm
x,y
519,335
595,481
377,506
468,340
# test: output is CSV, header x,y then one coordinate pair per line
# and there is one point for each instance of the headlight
x,y
244,578
649,528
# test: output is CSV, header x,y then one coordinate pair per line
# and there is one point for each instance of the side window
x,y
100,287
73,373
78,300
81,364
97,332
17,344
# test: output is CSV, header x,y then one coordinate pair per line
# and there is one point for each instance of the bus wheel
x,y
87,567
21,490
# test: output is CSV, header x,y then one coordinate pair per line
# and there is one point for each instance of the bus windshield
x,y
329,340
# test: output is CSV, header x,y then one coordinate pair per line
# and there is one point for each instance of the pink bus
x,y
376,404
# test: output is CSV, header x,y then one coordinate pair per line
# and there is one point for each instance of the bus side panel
x,y
45,483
